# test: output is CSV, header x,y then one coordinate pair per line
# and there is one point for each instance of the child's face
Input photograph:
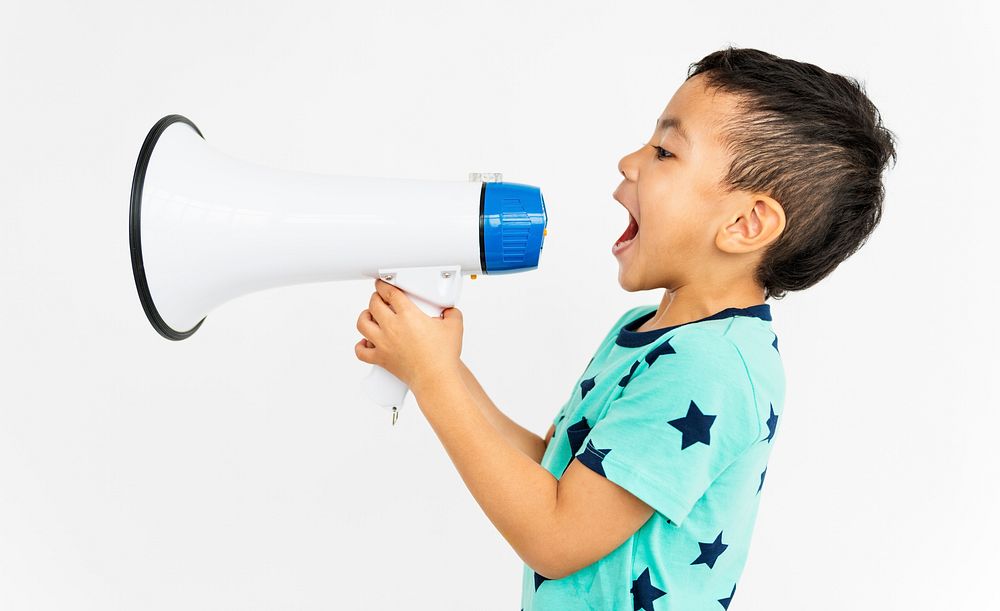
x,y
681,211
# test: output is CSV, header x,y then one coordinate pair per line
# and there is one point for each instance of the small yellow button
x,y
472,276
545,231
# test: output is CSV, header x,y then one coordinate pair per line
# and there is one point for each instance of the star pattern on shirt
x,y
655,353
694,427
772,425
593,457
576,433
538,580
722,601
644,592
710,552
628,376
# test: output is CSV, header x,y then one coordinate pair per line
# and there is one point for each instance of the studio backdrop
x,y
246,467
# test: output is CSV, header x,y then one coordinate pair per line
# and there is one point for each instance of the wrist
x,y
433,376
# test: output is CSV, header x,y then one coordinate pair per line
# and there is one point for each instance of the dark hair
x,y
814,142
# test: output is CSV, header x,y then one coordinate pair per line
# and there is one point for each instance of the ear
x,y
758,221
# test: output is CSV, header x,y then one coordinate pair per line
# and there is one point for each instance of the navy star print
x,y
628,376
664,348
644,592
710,552
663,397
594,457
651,356
538,580
694,427
722,601
772,424
576,433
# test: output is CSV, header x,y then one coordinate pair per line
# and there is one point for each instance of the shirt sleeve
x,y
685,414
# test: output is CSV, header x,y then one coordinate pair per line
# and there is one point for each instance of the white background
x,y
243,468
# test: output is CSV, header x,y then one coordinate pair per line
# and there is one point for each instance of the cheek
x,y
674,214
691,212
668,222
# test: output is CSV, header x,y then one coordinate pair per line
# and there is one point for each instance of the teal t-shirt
x,y
684,418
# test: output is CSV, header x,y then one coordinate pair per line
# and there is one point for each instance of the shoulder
x,y
706,346
695,359
694,371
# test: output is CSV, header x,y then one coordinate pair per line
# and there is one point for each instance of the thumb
x,y
450,313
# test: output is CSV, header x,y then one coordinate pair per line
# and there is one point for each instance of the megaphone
x,y
205,228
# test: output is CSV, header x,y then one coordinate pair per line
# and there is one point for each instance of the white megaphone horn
x,y
205,228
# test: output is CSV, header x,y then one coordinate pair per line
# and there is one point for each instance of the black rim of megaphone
x,y
134,227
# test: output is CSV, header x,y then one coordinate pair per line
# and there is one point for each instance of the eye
x,y
661,153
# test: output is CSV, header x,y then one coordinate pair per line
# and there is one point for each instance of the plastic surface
x,y
205,228
214,228
514,221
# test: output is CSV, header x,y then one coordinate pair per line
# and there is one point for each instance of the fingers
x,y
392,295
365,351
379,308
366,324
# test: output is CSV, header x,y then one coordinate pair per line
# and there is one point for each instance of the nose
x,y
628,166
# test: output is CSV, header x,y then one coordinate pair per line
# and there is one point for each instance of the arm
x,y
517,494
518,436
550,523
583,497
555,526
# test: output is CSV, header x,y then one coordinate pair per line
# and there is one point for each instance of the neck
x,y
689,302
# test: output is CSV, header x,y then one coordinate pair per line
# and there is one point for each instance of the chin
x,y
626,283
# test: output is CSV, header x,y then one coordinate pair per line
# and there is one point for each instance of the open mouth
x,y
630,232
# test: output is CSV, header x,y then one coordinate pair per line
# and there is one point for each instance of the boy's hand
x,y
409,344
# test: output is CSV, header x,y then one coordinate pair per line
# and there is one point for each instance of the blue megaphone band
x,y
512,227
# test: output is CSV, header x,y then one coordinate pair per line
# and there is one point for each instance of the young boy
x,y
761,176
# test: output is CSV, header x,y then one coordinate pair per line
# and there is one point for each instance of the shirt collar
x,y
628,337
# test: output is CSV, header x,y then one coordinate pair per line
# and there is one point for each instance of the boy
x,y
761,176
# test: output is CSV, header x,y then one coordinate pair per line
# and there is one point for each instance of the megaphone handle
x,y
384,388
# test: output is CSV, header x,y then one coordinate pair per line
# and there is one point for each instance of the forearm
x,y
517,494
518,436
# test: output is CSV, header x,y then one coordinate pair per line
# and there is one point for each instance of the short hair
x,y
814,142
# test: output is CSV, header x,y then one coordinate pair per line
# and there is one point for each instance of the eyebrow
x,y
668,122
